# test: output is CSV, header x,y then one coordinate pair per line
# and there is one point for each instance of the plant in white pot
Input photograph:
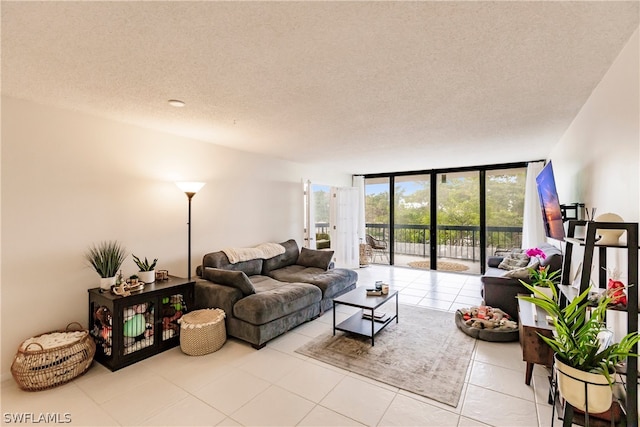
x,y
541,278
147,273
580,355
106,258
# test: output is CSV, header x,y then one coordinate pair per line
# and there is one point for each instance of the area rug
x,y
424,353
442,265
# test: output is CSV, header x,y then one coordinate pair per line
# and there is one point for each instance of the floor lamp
x,y
190,188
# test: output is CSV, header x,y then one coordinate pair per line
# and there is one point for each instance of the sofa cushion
x,y
494,261
289,257
331,282
220,260
234,279
553,257
523,272
314,258
514,260
274,299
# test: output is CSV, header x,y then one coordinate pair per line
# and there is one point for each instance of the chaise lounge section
x,y
264,298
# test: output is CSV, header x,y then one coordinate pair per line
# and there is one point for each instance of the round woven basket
x,y
37,368
202,331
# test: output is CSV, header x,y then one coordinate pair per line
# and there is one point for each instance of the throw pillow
x,y
289,257
315,258
494,261
233,279
514,261
523,272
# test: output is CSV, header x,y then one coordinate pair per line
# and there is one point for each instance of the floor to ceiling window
x,y
449,220
377,218
458,221
412,219
505,209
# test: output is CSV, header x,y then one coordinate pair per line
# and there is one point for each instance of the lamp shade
x,y
190,186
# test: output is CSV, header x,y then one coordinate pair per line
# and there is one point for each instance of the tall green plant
x,y
575,341
106,258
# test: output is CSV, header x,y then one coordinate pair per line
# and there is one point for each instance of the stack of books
x,y
379,316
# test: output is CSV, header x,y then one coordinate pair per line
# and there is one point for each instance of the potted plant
x,y
542,279
106,258
580,355
147,273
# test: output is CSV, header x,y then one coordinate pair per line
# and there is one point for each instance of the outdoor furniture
x,y
323,241
378,248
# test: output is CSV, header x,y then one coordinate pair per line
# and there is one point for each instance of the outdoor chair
x,y
378,248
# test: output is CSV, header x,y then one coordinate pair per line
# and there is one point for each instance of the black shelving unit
x,y
129,329
590,244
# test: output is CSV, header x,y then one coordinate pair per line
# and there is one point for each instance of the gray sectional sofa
x,y
264,298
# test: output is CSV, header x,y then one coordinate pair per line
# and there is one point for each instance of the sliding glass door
x,y
412,219
458,221
378,218
504,209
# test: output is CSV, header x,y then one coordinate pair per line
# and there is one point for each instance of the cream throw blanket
x,y
262,251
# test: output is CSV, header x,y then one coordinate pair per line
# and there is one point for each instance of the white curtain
x,y
344,226
532,225
358,182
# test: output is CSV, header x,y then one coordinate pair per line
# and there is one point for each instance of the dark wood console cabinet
x,y
532,324
129,329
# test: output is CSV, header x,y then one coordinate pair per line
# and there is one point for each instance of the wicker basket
x,y
37,368
202,331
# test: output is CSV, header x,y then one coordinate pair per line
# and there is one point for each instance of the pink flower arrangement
x,y
535,252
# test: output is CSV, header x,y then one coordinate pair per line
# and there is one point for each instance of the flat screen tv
x,y
549,203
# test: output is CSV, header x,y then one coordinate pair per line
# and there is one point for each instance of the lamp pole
x,y
189,196
190,189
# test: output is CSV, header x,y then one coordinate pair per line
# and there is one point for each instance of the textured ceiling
x,y
364,87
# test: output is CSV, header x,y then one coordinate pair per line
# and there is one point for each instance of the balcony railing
x,y
454,241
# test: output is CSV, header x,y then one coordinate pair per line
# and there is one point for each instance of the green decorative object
x,y
135,326
145,265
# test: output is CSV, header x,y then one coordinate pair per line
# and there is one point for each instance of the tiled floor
x,y
275,386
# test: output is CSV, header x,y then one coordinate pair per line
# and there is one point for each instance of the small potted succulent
x,y
147,273
106,258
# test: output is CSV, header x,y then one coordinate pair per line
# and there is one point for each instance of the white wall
x,y
70,180
597,161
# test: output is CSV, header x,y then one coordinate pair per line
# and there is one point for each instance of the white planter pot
x,y
147,276
546,291
571,383
107,282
